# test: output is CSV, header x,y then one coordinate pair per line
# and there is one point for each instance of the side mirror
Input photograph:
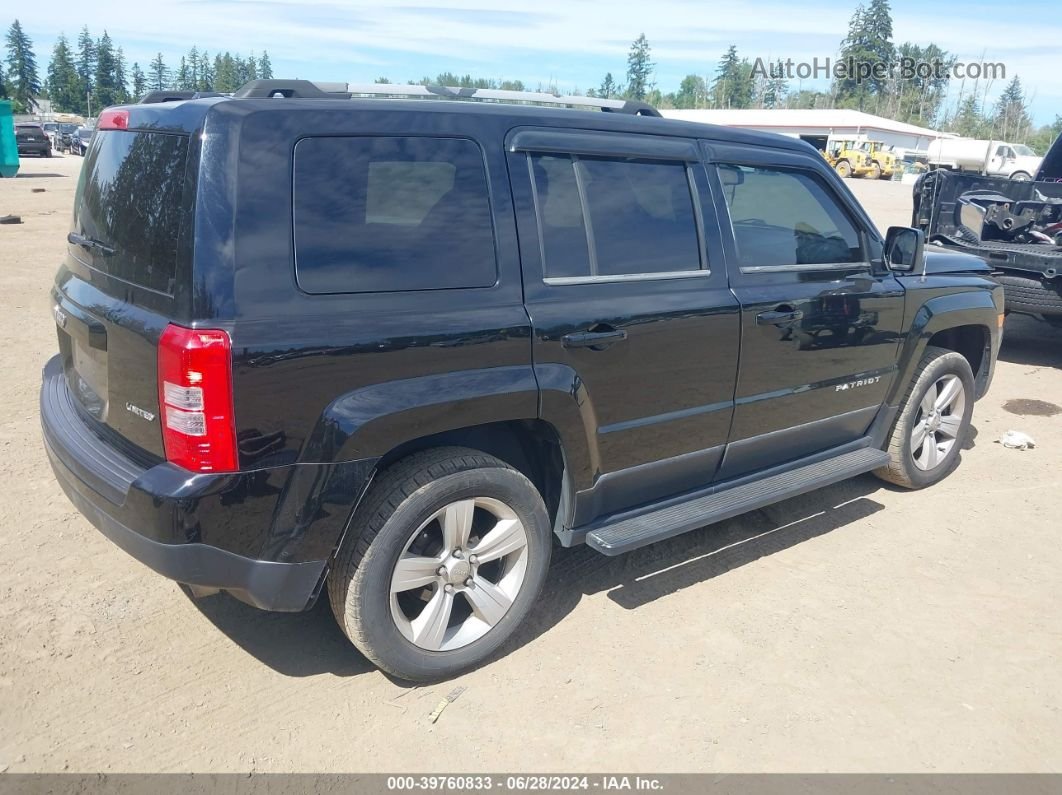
x,y
904,248
731,175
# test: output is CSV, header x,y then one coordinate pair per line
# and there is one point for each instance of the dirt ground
x,y
858,628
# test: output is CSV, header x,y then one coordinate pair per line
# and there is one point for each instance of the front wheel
x,y
443,562
843,169
933,423
875,171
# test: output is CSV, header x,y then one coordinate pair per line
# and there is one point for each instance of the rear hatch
x,y
121,281
29,134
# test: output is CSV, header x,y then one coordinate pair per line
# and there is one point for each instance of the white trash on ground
x,y
1017,440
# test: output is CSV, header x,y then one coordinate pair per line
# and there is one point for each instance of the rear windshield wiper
x,y
89,243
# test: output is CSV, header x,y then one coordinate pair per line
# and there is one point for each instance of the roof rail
x,y
151,97
305,89
292,89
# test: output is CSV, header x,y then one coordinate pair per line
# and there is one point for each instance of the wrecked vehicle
x,y
1016,227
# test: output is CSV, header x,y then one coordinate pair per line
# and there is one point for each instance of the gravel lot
x,y
859,628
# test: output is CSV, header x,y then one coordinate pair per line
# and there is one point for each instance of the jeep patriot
x,y
394,343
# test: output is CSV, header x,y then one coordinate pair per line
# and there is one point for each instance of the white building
x,y
817,126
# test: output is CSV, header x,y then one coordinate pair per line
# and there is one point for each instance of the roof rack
x,y
305,89
151,97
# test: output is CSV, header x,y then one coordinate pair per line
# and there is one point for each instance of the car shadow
x,y
311,643
1027,340
644,575
36,175
292,644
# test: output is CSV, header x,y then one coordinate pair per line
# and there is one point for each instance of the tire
x,y
875,171
1030,296
923,466
403,515
844,169
1021,176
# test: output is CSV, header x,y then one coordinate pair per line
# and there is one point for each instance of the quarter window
x,y
391,214
610,218
786,218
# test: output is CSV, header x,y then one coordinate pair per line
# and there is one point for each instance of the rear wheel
x,y
933,422
446,558
875,171
1020,176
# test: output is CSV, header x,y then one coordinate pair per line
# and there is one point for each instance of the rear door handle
x,y
779,317
597,340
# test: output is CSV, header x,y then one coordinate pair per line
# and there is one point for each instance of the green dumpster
x,y
8,147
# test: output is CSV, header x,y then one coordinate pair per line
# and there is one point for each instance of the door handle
x,y
595,340
779,317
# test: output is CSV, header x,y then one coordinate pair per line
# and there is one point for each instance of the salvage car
x,y
1015,226
393,350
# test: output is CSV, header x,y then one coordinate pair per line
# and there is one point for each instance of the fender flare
x,y
968,308
371,421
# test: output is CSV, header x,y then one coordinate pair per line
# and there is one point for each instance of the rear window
x,y
382,214
130,200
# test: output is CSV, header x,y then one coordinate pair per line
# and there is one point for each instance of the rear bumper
x,y
264,536
262,583
34,148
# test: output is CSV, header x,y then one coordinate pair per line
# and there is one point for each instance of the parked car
x,y
395,350
31,139
1015,226
80,140
64,136
987,158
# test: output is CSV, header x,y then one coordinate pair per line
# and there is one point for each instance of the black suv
x,y
31,139
399,347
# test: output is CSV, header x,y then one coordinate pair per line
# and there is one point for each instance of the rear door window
x,y
130,200
382,214
604,217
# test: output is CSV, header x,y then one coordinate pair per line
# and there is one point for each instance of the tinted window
x,y
640,215
786,218
560,216
385,214
129,198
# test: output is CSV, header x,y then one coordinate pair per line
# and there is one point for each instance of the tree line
x,y
86,76
93,73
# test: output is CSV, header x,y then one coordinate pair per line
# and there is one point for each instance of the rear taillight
x,y
195,399
113,120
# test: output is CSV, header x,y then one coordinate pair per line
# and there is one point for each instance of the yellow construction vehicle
x,y
847,159
884,163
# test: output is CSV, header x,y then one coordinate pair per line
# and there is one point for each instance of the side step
x,y
677,518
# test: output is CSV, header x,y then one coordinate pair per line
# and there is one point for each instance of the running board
x,y
677,518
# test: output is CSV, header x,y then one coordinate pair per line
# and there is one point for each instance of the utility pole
x,y
88,99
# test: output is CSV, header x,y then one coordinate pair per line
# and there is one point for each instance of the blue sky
x,y
569,42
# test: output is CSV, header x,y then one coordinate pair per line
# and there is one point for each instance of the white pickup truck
x,y
988,158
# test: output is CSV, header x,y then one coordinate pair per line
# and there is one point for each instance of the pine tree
x,y
24,84
181,80
3,83
120,77
639,69
106,91
139,82
86,68
64,85
265,66
158,74
1012,120
969,122
869,42
733,85
608,87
